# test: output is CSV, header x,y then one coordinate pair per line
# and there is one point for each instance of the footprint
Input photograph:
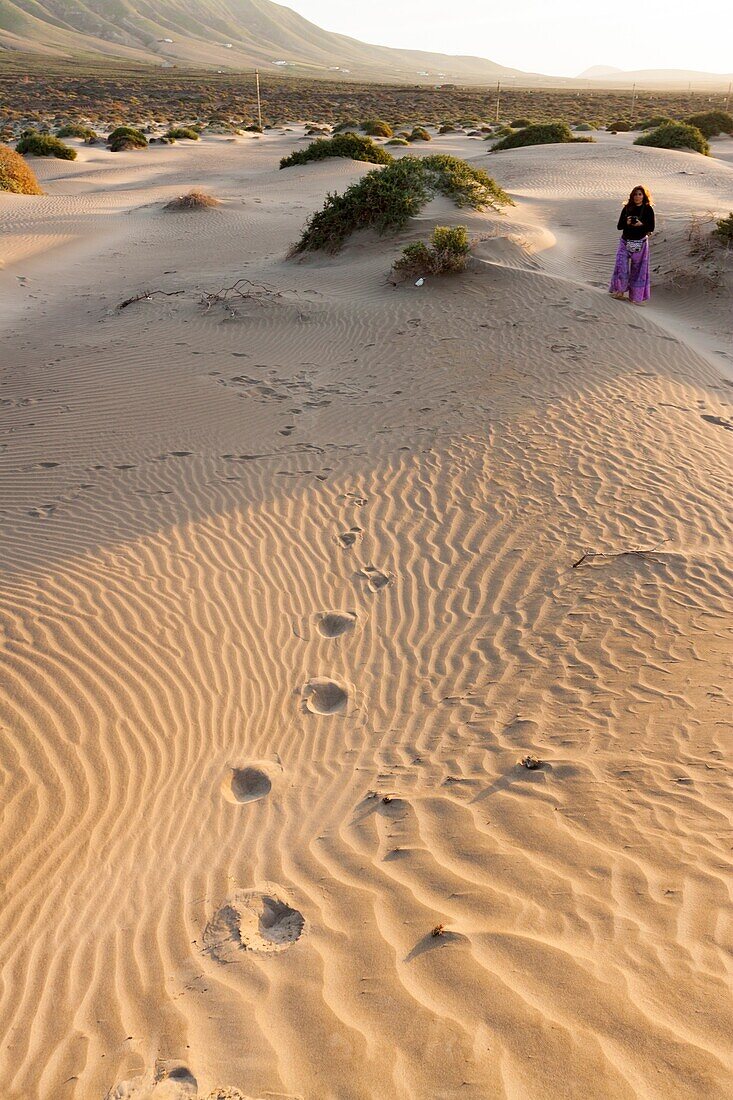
x,y
246,784
321,696
347,539
375,578
252,920
720,421
332,624
168,1081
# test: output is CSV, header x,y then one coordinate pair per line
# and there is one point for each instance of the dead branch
x,y
638,550
241,291
147,295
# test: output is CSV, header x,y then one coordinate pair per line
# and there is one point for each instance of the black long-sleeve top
x,y
645,214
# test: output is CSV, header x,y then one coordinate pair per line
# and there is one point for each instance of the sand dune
x,y
287,594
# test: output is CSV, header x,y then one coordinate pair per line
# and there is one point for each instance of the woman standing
x,y
631,272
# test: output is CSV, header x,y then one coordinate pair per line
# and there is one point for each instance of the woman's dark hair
x,y
646,201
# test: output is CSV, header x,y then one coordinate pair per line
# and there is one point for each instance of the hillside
x,y
231,33
609,74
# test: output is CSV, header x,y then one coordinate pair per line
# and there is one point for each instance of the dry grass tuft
x,y
193,200
16,175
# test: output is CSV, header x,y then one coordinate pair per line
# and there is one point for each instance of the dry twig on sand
x,y
147,295
590,555
244,290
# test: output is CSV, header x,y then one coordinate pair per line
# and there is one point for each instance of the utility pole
x,y
727,98
633,106
259,103
498,95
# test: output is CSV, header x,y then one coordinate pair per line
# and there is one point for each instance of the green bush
x,y
44,145
386,198
676,135
183,133
584,127
15,175
619,127
75,129
350,146
448,251
446,128
653,122
500,132
350,124
419,133
377,127
520,123
712,123
397,141
724,230
126,137
548,133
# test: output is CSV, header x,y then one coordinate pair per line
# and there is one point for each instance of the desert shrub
x,y
584,127
448,251
619,126
75,129
711,123
446,128
377,127
723,229
548,133
520,123
465,185
397,141
126,137
676,135
193,200
349,124
386,198
501,132
15,175
419,133
654,121
350,146
253,128
44,145
183,133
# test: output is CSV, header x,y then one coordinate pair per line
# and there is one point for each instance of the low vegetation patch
x,y
377,127
183,133
676,135
350,146
15,175
349,124
419,133
712,123
551,133
620,126
447,128
45,145
723,231
653,122
520,123
193,200
77,130
126,137
386,198
398,141
446,253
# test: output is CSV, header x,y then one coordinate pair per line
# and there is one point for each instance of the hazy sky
x,y
558,37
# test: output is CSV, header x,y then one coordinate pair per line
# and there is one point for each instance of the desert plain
x,y
293,579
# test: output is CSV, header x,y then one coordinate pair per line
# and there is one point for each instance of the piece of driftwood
x,y
147,294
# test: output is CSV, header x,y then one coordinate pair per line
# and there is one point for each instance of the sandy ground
x,y
287,592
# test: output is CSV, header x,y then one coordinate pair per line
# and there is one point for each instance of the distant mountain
x,y
597,72
233,34
676,77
